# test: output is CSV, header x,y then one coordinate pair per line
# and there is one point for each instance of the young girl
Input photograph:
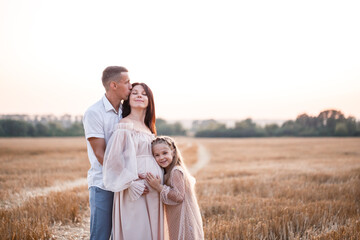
x,y
178,194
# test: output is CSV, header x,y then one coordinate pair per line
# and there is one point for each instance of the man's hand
x,y
146,190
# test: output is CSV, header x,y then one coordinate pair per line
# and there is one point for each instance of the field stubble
x,y
277,188
283,188
39,197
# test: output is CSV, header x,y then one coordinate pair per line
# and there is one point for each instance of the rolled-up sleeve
x,y
93,125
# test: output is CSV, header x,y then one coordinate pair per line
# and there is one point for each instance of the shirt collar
x,y
109,107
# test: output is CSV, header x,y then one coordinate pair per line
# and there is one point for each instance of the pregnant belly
x,y
147,164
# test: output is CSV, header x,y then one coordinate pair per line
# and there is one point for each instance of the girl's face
x,y
163,154
138,97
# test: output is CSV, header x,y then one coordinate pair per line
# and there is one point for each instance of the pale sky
x,y
202,59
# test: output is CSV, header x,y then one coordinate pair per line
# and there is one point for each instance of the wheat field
x,y
259,188
281,188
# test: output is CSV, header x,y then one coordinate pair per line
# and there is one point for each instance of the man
x,y
99,122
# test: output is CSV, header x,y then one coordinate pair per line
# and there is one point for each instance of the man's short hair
x,y
109,73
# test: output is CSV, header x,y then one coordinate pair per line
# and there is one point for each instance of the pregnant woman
x,y
128,155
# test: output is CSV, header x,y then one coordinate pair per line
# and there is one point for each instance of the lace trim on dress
x,y
130,126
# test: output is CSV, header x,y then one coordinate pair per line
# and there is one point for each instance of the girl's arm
x,y
174,195
170,195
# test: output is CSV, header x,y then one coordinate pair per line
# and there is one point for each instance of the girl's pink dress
x,y
128,154
181,207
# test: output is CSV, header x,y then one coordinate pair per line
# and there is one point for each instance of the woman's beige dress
x,y
182,210
128,154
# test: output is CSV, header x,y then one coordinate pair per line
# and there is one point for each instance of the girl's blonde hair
x,y
177,158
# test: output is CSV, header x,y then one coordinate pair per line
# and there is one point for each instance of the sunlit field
x,y
270,188
43,186
282,188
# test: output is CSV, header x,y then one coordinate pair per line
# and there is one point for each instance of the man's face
x,y
123,86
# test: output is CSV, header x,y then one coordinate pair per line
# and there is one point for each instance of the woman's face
x,y
138,97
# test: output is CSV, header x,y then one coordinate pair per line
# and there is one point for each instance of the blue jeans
x,y
101,205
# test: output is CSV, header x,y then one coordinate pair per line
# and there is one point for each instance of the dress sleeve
x,y
120,165
173,195
136,189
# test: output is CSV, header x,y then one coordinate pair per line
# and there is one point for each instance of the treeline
x,y
20,128
327,123
58,128
174,129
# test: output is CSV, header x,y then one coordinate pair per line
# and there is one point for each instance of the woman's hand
x,y
154,182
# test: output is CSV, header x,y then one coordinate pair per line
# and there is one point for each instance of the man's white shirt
x,y
99,121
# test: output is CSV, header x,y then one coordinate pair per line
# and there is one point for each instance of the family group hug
x,y
139,186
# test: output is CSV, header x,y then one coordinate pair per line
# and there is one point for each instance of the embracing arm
x,y
175,194
98,145
94,133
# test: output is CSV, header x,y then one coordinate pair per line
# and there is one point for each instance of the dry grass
x,y
33,219
188,149
281,188
28,163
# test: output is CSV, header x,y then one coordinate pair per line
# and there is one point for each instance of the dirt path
x,y
18,199
203,159
82,230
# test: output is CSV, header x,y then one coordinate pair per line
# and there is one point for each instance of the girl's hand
x,y
154,182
